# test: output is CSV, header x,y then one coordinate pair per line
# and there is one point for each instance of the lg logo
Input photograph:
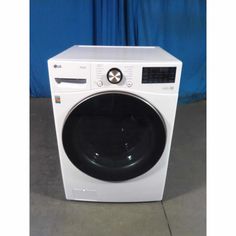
x,y
57,66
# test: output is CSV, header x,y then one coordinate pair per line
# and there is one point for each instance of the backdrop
x,y
179,26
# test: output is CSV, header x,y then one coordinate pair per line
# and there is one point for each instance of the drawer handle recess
x,y
69,80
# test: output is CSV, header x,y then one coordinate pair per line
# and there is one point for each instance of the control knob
x,y
114,76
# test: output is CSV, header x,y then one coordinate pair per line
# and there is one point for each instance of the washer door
x,y
114,136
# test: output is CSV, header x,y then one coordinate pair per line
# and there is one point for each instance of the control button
x,y
114,75
129,83
99,83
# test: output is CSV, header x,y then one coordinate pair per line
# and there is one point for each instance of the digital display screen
x,y
158,75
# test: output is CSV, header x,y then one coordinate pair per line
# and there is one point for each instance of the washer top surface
x,y
115,53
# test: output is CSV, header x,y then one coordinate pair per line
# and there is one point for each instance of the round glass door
x,y
114,136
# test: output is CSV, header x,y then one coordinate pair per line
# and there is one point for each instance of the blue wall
x,y
179,26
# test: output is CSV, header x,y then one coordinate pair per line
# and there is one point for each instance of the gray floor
x,y
182,211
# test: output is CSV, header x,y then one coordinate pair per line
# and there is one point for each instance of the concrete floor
x,y
182,212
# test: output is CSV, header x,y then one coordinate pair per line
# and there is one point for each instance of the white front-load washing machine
x,y
114,110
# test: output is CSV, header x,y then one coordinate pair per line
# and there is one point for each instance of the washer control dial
x,y
114,76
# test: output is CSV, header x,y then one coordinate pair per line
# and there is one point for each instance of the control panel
x,y
76,76
149,77
113,76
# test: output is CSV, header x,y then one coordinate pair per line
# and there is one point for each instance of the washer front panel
x,y
114,136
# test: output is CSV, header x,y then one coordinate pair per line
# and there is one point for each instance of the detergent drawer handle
x,y
70,80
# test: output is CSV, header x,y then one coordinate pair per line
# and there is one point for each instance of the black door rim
x,y
119,93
